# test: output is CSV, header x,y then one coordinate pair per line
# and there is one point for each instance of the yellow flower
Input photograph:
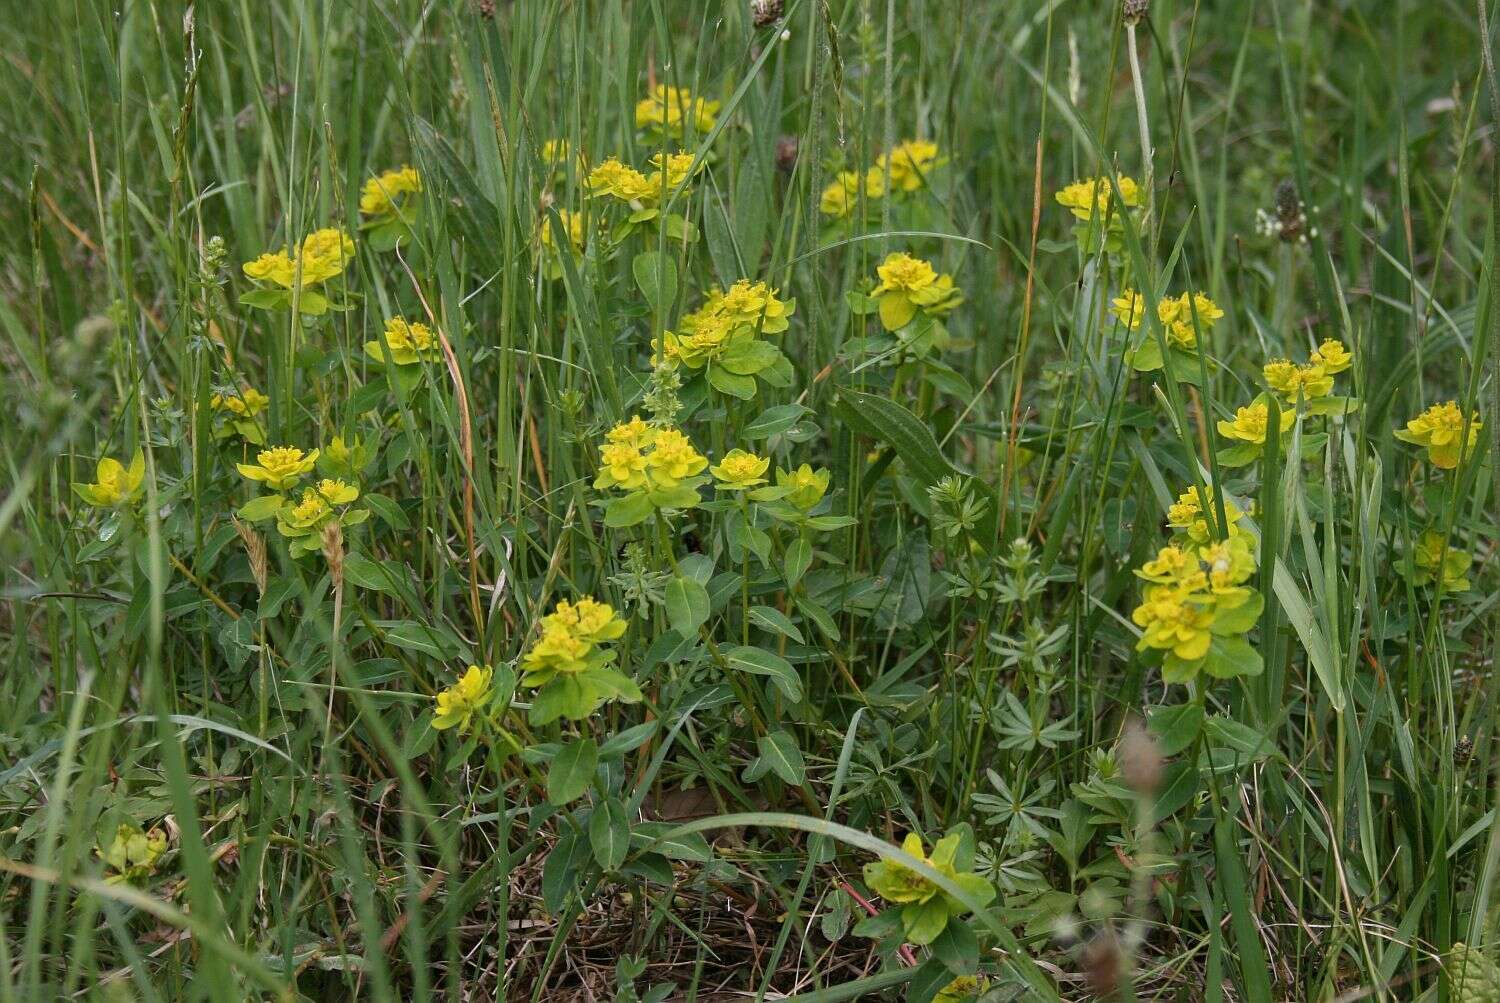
x,y
388,193
1177,315
556,154
275,267
1187,515
739,470
1332,357
589,619
558,650
1294,382
667,108
246,403
621,465
1228,564
325,253
910,161
634,432
1129,308
337,492
1083,197
1176,620
1174,565
114,484
620,181
673,458
806,486
410,343
908,284
572,224
132,855
1252,422
457,704
962,989
842,195
1433,558
1441,430
672,169
279,467
301,518
745,304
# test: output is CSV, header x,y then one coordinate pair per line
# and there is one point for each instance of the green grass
x,y
945,645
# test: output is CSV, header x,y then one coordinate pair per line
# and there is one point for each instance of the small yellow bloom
x,y
114,484
337,492
572,224
1332,357
301,518
589,619
1187,514
673,458
672,170
410,342
1129,309
1228,564
962,989
1175,620
909,284
621,465
1434,560
1173,565
1294,382
279,467
275,267
246,403
1441,430
634,432
1252,422
620,181
389,193
739,470
744,304
910,162
558,650
1084,197
556,154
457,704
132,855
667,109
807,486
325,253
842,195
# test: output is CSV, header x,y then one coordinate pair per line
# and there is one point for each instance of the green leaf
x,y
749,357
760,662
884,420
779,750
656,276
1176,727
772,619
1229,657
262,508
773,421
661,838
265,299
571,771
798,559
377,576
413,636
609,834
729,383
923,921
628,510
687,605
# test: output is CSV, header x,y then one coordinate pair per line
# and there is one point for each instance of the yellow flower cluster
x,y
457,705
133,855
114,484
1252,422
409,342
1181,317
389,194
909,285
1435,561
572,224
246,403
1196,604
637,455
1311,381
726,325
280,467
1441,431
1085,199
306,518
620,181
323,255
668,110
903,169
570,640
740,471
558,156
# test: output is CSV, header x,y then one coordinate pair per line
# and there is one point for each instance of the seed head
x,y
1134,11
764,13
255,552
1140,759
786,153
1462,750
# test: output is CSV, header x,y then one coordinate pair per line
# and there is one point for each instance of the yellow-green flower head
x,y
671,170
1176,620
634,432
739,470
1177,315
557,155
620,181
1436,560
895,882
673,458
908,284
132,855
1441,430
963,989
1253,421
1187,515
621,465
410,342
247,403
279,467
387,194
1174,565
1129,308
1294,382
910,162
589,619
1332,357
275,267
747,304
572,224
559,650
114,483
1228,565
806,486
1083,198
667,108
300,518
841,197
337,492
325,253
457,704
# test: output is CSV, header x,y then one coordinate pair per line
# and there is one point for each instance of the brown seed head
x,y
1140,759
1134,11
764,13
